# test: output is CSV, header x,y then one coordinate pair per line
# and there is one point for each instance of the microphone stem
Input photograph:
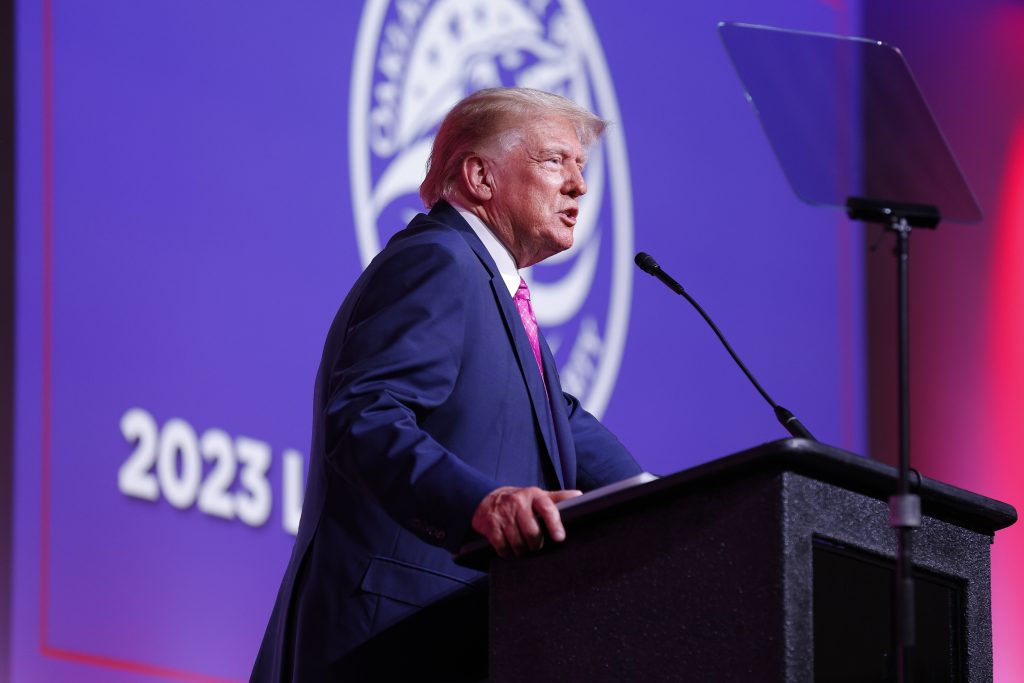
x,y
785,417
721,337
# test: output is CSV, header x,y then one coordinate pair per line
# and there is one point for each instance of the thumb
x,y
559,496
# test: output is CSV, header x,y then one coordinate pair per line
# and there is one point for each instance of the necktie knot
x,y
523,292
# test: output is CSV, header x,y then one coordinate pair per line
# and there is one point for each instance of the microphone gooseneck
x,y
785,417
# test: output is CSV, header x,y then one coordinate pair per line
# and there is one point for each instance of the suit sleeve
x,y
601,459
399,360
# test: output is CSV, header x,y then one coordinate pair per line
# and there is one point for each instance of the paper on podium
x,y
629,483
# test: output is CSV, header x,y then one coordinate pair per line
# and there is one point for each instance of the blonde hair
x,y
493,116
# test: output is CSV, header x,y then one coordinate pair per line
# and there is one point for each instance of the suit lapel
x,y
446,214
559,419
528,369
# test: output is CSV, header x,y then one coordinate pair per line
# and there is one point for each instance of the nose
x,y
576,184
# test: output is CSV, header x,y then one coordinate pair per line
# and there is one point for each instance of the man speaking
x,y
438,409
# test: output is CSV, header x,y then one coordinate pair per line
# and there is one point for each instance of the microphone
x,y
785,417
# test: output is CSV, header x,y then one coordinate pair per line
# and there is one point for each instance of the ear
x,y
476,179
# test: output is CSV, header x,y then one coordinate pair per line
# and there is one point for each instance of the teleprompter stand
x,y
851,128
905,505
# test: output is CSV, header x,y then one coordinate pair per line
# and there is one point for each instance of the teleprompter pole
x,y
904,507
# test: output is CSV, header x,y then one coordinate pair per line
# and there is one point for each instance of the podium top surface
x,y
808,458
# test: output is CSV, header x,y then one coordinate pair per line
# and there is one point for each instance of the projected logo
x,y
414,60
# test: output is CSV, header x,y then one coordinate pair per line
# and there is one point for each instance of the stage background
x,y
188,196
967,282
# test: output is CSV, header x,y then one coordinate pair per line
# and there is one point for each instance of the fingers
x,y
508,518
544,506
514,507
487,520
514,542
528,527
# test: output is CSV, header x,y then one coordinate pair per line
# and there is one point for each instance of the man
x,y
438,410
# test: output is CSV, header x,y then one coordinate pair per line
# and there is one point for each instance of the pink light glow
x,y
1000,462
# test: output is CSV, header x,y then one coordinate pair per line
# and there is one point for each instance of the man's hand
x,y
507,517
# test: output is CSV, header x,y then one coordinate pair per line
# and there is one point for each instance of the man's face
x,y
536,186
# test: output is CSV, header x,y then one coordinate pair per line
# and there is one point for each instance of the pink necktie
x,y
522,299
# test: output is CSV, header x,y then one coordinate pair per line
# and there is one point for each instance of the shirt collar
x,y
498,251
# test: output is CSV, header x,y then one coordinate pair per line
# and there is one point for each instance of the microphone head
x,y
646,262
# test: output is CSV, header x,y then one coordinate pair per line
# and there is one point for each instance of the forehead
x,y
551,133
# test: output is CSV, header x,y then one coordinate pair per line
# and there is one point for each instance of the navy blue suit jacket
x,y
427,398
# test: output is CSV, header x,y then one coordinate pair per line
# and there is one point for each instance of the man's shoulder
x,y
429,229
438,234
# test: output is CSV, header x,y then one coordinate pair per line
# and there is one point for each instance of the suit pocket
x,y
408,583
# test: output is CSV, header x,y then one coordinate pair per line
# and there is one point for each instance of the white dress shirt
x,y
498,251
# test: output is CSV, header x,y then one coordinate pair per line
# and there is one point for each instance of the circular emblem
x,y
414,60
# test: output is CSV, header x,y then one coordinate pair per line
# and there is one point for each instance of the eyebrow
x,y
563,152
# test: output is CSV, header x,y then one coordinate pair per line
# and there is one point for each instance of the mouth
x,y
569,216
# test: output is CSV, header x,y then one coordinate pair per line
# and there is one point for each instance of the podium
x,y
773,564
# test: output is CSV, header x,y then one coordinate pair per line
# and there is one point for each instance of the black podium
x,y
773,564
